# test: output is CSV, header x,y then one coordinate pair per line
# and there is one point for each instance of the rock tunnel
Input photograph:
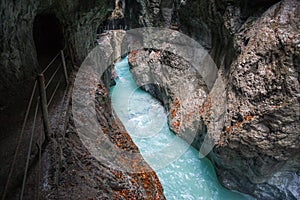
x,y
48,37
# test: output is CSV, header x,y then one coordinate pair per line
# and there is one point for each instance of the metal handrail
x,y
20,138
53,75
52,61
56,87
29,150
34,120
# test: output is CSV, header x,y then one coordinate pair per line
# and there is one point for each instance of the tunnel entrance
x,y
48,37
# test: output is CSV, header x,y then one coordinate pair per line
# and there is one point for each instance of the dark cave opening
x,y
48,37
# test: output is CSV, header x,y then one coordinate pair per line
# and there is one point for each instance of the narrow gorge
x,y
134,99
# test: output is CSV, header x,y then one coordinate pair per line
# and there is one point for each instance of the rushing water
x,y
187,177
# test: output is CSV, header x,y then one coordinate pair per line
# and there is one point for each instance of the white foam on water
x,y
187,177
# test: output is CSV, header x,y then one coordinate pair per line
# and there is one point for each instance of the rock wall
x,y
121,178
143,13
19,62
177,85
87,177
262,122
256,47
18,59
70,167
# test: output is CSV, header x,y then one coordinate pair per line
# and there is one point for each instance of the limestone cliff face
x,y
256,47
262,122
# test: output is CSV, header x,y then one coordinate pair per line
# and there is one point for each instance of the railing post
x,y
64,65
43,99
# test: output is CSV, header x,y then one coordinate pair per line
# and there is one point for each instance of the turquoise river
x,y
188,176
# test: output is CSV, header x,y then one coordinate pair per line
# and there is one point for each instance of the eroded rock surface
x,y
177,84
99,165
262,123
85,177
255,44
257,148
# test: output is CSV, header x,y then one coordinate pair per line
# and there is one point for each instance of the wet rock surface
x,y
255,44
82,176
84,167
20,66
176,84
69,171
262,122
257,148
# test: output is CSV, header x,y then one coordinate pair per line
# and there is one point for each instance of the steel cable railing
x,y
41,100
55,90
29,150
19,141
49,65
